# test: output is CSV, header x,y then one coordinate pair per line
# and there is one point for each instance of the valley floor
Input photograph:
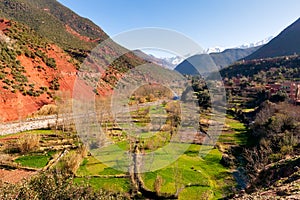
x,y
197,174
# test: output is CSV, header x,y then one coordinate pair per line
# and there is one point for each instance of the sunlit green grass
x,y
109,184
92,166
35,161
90,172
202,175
238,133
198,172
247,110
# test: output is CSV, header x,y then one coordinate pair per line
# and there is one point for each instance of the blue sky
x,y
210,23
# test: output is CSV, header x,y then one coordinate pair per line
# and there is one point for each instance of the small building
x,y
291,88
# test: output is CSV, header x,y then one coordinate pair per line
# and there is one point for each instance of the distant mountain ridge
x,y
256,44
285,44
221,56
221,60
243,46
150,58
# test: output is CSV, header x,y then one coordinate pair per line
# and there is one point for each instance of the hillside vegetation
x,y
51,19
43,45
287,67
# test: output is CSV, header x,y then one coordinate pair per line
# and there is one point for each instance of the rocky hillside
x,y
284,182
286,65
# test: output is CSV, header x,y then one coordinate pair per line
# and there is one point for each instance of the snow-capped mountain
x,y
256,44
214,50
219,49
172,62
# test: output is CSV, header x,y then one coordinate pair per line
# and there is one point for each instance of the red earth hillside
x,y
33,69
15,106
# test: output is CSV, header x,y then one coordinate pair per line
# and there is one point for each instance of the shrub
x,y
28,53
40,54
50,62
53,185
55,84
28,143
48,110
71,163
6,81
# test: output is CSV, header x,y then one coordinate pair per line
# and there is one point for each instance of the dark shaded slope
x,y
195,64
229,56
207,61
286,43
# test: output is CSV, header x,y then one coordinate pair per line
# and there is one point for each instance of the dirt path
x,y
28,125
36,123
15,176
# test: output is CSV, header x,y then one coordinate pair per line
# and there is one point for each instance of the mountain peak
x,y
256,44
216,49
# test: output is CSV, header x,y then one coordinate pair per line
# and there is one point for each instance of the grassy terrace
x,y
39,132
109,184
35,160
98,175
33,152
236,134
197,174
202,176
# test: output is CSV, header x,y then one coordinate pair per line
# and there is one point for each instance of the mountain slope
x,y
59,24
196,63
229,56
221,60
285,44
150,58
43,45
32,69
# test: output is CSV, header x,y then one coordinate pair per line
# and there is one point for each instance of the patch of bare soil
x,y
15,176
